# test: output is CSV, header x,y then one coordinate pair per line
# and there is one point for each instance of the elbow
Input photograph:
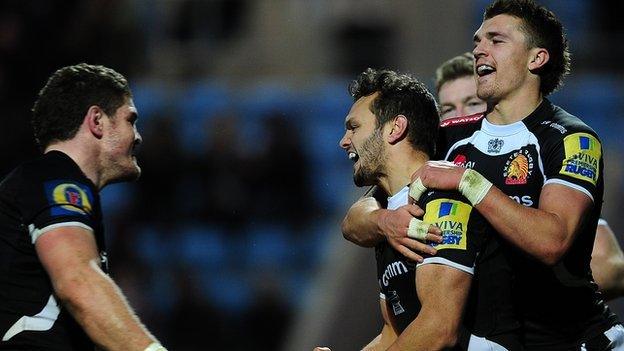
x,y
347,231
345,228
70,295
350,234
445,334
552,254
446,339
449,339
75,291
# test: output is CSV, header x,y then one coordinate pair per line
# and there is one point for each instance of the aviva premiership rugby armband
x,y
582,156
577,163
462,232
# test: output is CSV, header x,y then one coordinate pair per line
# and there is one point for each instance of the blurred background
x,y
231,240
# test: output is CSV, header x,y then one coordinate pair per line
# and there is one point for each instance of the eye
x,y
446,109
446,113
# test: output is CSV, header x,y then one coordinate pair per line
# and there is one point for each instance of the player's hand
x,y
441,175
318,348
394,224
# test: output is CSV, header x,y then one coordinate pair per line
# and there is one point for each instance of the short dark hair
x,y
543,30
401,94
68,94
455,68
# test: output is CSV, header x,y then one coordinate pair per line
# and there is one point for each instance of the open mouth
x,y
484,70
353,156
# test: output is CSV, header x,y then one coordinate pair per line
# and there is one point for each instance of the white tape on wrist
x,y
416,189
474,186
418,229
155,347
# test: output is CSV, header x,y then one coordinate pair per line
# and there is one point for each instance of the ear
x,y
538,58
93,119
399,129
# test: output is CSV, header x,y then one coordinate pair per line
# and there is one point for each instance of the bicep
x,y
567,204
65,249
443,289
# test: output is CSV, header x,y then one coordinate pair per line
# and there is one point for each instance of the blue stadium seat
x,y
150,98
197,103
151,246
268,246
200,246
229,291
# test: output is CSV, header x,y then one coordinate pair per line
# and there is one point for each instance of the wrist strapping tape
x,y
474,186
416,189
155,347
418,229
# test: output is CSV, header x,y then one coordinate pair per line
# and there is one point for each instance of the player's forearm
x,y
100,308
609,275
361,224
382,341
427,332
539,233
607,263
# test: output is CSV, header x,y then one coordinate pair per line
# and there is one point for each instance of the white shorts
x,y
615,336
478,343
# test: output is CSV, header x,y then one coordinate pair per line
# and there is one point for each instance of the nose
x,y
461,111
479,49
345,142
138,139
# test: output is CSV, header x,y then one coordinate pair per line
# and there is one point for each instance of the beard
x,y
125,171
371,157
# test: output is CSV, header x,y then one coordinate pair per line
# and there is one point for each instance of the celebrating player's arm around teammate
x,y
391,131
54,288
536,174
457,96
546,166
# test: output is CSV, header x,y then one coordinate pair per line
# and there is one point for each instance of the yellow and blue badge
x,y
582,157
451,216
68,198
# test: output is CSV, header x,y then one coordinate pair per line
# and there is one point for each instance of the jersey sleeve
x,y
463,232
575,160
58,203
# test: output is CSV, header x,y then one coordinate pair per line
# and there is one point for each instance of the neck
x,y
514,108
82,156
400,167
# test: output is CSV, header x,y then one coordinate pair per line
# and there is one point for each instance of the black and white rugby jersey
x,y
469,246
559,304
38,196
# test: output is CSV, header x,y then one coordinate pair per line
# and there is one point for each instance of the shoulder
x,y
558,124
53,180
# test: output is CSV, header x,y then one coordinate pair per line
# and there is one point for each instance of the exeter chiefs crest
x,y
518,167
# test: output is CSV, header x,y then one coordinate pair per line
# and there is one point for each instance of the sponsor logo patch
x,y
68,198
518,167
582,157
451,216
462,161
461,120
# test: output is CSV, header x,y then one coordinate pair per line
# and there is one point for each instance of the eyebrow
x,y
468,98
349,122
489,35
